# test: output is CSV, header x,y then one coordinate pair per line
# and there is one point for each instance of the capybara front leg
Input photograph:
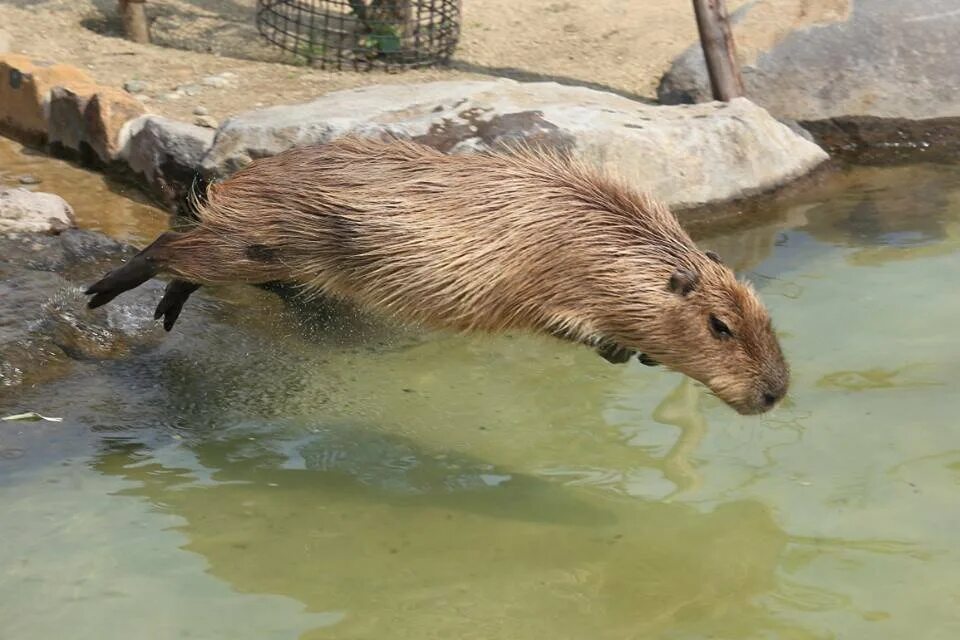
x,y
614,353
133,273
171,304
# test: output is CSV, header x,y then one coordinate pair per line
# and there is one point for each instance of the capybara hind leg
x,y
171,304
133,273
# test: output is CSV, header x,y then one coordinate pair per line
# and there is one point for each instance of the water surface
x,y
263,477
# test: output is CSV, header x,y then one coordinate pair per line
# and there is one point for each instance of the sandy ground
x,y
606,44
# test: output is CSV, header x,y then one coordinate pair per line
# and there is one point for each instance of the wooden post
x,y
135,20
718,49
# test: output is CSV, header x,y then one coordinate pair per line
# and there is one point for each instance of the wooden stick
x,y
135,20
718,49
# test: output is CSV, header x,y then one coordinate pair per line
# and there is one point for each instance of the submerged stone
x,y
44,322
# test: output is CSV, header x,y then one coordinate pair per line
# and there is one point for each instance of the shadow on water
x,y
379,535
349,462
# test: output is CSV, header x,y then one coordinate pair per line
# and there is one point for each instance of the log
x,y
718,49
135,20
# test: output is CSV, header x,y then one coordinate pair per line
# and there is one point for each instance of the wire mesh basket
x,y
362,34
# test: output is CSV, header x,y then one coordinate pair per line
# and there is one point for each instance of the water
x,y
258,477
98,203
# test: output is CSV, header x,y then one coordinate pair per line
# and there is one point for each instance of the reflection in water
x,y
682,409
260,475
871,379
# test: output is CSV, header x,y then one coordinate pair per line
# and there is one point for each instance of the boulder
x,y
89,121
28,211
104,118
167,155
65,124
837,59
685,155
25,85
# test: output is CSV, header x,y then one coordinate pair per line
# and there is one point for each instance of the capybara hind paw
x,y
103,291
134,273
171,304
100,299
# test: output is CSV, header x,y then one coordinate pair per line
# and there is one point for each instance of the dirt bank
x,y
607,44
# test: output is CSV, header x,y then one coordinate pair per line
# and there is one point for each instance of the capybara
x,y
518,239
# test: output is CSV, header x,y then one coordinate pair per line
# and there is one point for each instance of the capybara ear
x,y
713,256
683,281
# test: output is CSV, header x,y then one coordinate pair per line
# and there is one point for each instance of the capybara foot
x,y
171,304
647,360
134,273
615,354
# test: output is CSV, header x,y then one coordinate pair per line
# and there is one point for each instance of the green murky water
x,y
257,478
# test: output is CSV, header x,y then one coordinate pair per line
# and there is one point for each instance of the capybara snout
x,y
514,240
713,328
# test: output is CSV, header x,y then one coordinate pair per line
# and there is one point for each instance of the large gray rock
x,y
880,58
28,211
167,155
686,156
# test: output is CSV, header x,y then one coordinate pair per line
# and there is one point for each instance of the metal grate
x,y
362,34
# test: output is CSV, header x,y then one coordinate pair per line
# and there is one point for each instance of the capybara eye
x,y
719,328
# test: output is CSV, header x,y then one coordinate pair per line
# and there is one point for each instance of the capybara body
x,y
515,240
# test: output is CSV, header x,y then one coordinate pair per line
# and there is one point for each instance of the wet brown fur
x,y
520,240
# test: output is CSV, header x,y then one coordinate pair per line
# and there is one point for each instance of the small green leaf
x,y
30,416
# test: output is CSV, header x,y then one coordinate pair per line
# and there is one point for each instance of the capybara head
x,y
713,328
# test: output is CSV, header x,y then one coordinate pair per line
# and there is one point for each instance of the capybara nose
x,y
769,399
772,395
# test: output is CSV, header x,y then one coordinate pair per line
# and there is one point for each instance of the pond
x,y
263,475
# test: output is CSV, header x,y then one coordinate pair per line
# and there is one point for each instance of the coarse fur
x,y
521,240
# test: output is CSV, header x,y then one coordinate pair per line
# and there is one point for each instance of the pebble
x,y
29,179
188,89
216,81
172,96
230,75
205,121
134,86
200,111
